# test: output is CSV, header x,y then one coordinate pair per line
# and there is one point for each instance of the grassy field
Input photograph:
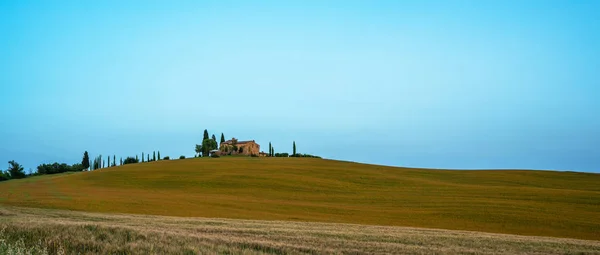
x,y
45,231
541,203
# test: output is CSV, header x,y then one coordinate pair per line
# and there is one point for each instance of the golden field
x,y
47,231
540,203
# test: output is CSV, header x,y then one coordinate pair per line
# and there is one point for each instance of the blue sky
x,y
439,84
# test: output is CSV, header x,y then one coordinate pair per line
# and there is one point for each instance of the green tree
x,y
198,149
207,146
154,156
272,151
137,159
108,160
205,135
86,160
294,149
121,162
270,147
148,158
3,176
222,139
158,155
142,157
214,138
15,170
114,160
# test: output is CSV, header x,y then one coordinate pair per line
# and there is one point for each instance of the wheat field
x,y
536,203
46,231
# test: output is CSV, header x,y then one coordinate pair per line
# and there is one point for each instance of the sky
x,y
433,84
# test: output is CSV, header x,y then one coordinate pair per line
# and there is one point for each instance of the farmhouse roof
x,y
238,142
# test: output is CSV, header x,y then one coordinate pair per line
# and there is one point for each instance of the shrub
x,y
130,160
181,157
214,155
282,155
166,158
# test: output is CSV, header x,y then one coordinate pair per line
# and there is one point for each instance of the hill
x,y
545,203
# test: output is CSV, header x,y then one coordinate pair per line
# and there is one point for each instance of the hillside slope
x,y
561,204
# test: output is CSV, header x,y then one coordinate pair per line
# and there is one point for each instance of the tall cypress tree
x,y
214,138
270,149
154,156
148,158
142,157
158,155
294,149
86,160
136,158
108,160
114,160
205,135
121,162
222,138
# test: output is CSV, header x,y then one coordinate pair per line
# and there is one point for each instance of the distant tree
x,y
142,157
3,176
294,149
207,146
222,139
214,138
272,151
154,156
198,149
114,160
205,135
148,158
270,147
158,155
181,157
131,160
15,170
166,158
103,164
76,168
108,161
86,160
121,162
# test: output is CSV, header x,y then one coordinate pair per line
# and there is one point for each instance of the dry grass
x,y
537,203
59,231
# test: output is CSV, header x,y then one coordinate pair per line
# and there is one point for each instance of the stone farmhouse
x,y
235,147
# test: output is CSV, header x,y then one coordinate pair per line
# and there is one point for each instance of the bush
x,y
214,155
181,157
299,155
3,176
130,160
57,168
282,155
166,158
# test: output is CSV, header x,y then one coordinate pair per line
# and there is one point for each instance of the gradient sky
x,y
437,84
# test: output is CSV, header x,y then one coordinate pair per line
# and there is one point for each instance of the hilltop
x,y
546,203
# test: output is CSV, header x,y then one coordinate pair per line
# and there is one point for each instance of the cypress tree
x,y
108,160
154,156
270,149
86,160
114,160
158,155
142,157
294,149
222,138
137,159
121,162
148,158
205,135
214,138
